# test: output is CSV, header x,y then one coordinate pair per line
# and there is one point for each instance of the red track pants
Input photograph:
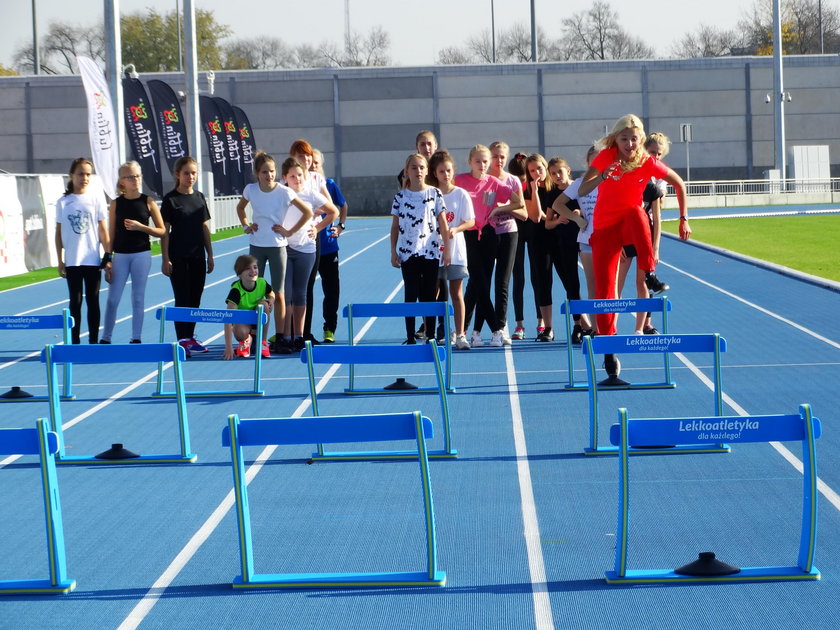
x,y
613,230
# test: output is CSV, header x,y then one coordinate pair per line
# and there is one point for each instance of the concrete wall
x,y
365,120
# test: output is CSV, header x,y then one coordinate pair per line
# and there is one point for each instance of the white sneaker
x,y
453,338
475,340
497,340
461,342
506,337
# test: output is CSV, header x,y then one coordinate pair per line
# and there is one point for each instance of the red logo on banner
x,y
244,133
100,100
229,127
170,116
138,112
215,126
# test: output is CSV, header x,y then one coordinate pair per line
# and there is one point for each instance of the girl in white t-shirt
x,y
301,252
81,227
418,234
270,202
459,217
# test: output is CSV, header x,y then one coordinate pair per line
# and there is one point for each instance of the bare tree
x,y
258,53
597,34
452,55
373,49
59,47
800,27
708,41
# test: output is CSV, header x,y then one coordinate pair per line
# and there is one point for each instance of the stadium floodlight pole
x,y
113,70
493,29
534,51
191,82
778,86
178,27
36,54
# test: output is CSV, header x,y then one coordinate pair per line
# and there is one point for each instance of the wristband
x,y
341,225
683,218
245,227
106,258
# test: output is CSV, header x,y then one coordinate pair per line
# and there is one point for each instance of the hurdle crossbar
x,y
53,356
712,343
44,443
742,429
373,355
629,305
218,316
63,322
329,429
400,309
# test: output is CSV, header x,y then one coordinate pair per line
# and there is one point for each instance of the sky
x,y
417,32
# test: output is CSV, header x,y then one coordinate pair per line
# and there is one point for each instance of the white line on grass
x,y
533,543
151,597
794,461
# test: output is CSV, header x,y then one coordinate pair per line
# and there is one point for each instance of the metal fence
x,y
761,186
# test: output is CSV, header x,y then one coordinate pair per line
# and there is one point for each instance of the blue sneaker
x,y
195,346
185,344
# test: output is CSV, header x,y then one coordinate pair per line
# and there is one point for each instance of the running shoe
x,y
132,341
265,350
654,284
329,336
650,330
475,340
519,333
196,347
497,340
244,348
281,346
577,335
546,335
461,342
185,344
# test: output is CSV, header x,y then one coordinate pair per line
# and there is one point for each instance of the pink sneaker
x,y
266,351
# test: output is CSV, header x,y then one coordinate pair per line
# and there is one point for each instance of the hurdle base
x,y
419,390
747,574
682,449
36,587
376,455
211,394
340,580
585,387
177,458
35,399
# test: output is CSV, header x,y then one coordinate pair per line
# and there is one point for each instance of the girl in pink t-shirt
x,y
485,246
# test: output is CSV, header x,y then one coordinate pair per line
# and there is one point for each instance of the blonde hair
x,y
408,161
664,142
123,166
479,148
500,144
539,159
628,121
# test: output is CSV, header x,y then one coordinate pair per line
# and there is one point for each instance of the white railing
x,y
223,213
762,186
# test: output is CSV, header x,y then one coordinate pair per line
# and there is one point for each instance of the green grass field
x,y
48,273
806,243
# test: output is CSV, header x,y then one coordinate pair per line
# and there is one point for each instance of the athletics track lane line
x,y
543,618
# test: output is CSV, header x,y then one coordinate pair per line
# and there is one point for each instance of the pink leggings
x,y
614,230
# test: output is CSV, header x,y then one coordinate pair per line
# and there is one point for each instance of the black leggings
x,y
527,236
310,290
481,258
563,256
420,277
331,286
84,278
188,276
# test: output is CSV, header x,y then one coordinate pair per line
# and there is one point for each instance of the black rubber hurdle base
x,y
613,381
117,452
707,565
16,392
399,384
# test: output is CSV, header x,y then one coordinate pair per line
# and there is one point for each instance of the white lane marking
x,y
543,617
794,461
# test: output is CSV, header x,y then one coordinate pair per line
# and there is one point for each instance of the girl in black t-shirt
x,y
186,238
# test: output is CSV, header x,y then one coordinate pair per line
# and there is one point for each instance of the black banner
x,y
249,145
236,169
214,132
38,234
141,133
170,122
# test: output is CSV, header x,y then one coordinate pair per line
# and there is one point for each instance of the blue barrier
x,y
628,305
400,309
218,316
650,344
62,322
331,429
373,355
743,429
44,443
118,353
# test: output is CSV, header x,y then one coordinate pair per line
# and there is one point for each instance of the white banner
x,y
102,127
11,229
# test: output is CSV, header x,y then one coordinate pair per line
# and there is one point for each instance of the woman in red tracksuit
x,y
621,171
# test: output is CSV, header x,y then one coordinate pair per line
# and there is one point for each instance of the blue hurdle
x,y
400,309
647,344
218,316
61,322
379,354
783,428
44,443
118,353
630,305
371,428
